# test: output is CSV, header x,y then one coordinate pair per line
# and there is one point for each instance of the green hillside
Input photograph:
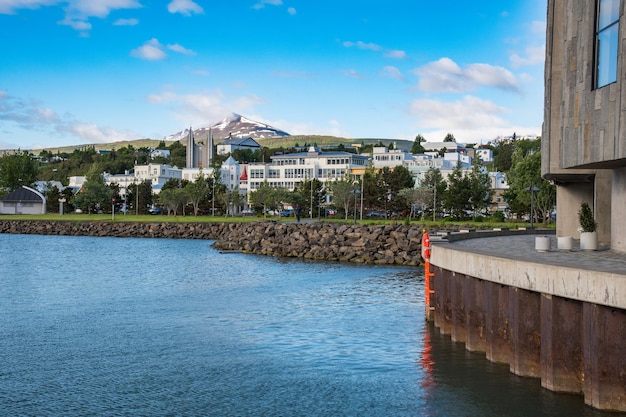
x,y
278,142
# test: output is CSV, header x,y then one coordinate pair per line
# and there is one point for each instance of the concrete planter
x,y
565,243
542,243
589,241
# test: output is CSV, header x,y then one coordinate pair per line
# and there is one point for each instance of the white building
x,y
231,144
289,170
384,157
156,174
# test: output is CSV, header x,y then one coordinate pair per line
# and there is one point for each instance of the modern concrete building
x,y
584,139
199,153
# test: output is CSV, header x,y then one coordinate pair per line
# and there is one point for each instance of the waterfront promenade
x,y
557,315
522,248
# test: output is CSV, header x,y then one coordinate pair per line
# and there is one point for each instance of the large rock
x,y
376,244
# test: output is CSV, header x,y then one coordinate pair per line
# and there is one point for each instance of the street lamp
x,y
213,199
532,190
369,161
355,191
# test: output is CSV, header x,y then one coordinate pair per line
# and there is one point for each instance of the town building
x,y
289,170
199,152
231,144
24,200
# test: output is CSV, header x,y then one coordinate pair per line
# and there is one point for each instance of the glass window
x,y
607,42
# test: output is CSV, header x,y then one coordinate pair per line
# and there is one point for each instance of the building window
x,y
606,42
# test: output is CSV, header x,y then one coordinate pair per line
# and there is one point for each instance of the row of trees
x,y
388,191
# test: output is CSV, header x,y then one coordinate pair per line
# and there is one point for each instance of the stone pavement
x,y
522,247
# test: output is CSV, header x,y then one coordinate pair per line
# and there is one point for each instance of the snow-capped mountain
x,y
236,126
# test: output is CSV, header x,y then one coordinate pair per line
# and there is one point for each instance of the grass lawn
x,y
440,224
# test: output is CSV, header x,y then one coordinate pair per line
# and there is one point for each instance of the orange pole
x,y
427,273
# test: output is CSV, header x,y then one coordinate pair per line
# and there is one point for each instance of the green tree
x,y
417,145
480,192
173,198
52,194
344,193
198,191
525,172
266,198
502,155
457,198
449,138
94,194
435,186
140,197
17,170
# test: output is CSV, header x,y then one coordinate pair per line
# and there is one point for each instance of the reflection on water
x,y
104,326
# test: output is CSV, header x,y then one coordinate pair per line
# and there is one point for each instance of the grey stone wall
x,y
392,244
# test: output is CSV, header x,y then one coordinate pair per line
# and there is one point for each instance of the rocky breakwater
x,y
375,244
380,244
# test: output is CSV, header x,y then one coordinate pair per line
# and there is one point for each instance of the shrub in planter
x,y
585,218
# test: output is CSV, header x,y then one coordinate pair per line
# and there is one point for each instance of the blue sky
x,y
93,71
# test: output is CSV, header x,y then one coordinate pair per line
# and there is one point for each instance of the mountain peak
x,y
234,125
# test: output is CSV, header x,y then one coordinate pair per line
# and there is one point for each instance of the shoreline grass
x,y
128,218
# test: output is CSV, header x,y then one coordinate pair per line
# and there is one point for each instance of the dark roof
x,y
23,194
241,142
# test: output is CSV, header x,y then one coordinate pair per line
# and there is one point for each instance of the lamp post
x,y
369,161
532,190
213,198
355,191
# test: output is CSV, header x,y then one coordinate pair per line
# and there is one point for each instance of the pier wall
x,y
563,325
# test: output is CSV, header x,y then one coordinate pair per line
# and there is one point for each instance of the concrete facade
x,y
584,139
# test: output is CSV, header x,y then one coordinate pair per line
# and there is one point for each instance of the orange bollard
x,y
427,273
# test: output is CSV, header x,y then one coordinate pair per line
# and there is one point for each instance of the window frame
x,y
600,61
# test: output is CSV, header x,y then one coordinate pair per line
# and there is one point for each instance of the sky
x,y
97,71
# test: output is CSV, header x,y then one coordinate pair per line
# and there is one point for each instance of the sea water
x,y
163,327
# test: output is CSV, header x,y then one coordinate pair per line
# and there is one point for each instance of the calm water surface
x,y
158,327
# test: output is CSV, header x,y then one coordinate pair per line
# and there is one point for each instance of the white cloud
x,y
98,8
352,74
77,12
395,54
10,6
362,45
262,3
392,72
180,49
291,11
94,133
76,24
34,116
203,108
470,119
184,7
126,22
534,55
151,50
469,113
446,76
292,74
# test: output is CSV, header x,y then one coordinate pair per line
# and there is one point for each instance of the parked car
x,y
374,214
154,210
286,213
247,213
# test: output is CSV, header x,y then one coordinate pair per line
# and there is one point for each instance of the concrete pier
x,y
557,315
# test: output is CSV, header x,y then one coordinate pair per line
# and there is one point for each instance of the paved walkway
x,y
522,248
